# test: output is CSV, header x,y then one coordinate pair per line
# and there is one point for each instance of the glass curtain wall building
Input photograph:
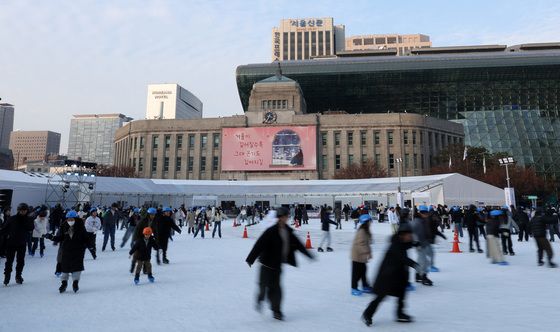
x,y
507,99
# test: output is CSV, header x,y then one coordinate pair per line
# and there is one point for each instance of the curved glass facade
x,y
507,101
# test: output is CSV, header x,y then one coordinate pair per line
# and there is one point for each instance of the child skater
x,y
142,251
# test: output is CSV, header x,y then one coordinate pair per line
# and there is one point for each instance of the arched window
x,y
286,149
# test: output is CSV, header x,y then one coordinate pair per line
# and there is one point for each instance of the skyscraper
x,y
91,136
33,145
172,101
298,39
6,124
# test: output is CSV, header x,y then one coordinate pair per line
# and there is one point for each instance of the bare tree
x,y
367,169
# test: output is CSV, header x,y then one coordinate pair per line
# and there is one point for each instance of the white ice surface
x,y
209,287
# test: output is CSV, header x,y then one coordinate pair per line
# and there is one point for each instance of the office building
x,y
300,39
402,44
507,98
33,145
91,137
278,138
6,124
171,101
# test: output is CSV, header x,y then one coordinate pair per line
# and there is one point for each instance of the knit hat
x,y
147,231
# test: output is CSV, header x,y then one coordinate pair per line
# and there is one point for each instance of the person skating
x,y
305,216
325,228
538,225
93,225
218,217
457,216
422,227
16,229
522,220
471,219
162,231
361,254
492,232
553,227
393,219
73,240
201,220
275,246
338,217
141,253
138,232
392,277
110,224
190,221
133,220
507,226
39,232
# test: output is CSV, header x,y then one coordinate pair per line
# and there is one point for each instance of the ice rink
x,y
209,287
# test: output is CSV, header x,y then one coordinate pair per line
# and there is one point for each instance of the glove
x,y
49,236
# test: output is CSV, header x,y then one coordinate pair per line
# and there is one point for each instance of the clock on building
x,y
270,117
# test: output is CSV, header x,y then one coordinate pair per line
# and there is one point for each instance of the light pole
x,y
509,192
400,200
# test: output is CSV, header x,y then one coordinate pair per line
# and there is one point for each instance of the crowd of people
x,y
74,231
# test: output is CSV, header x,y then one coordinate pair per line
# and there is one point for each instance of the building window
x,y
167,141
405,137
141,142
155,142
390,137
391,161
179,141
421,138
190,164
324,162
406,161
166,164
376,137
191,141
203,164
363,138
203,141
154,164
364,158
135,142
350,159
378,159
415,160
323,138
413,138
350,137
178,164
337,161
214,163
422,160
216,140
140,164
337,139
134,163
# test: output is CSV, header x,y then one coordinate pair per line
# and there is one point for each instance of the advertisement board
x,y
269,148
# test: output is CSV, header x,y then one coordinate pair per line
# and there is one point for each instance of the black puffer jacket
x,y
16,229
392,277
72,247
539,224
142,249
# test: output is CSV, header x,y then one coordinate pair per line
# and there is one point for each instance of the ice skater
x,y
16,229
538,228
492,232
275,246
141,253
392,277
325,227
93,225
162,231
361,254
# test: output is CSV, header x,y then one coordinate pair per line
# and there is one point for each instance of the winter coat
x,y
162,228
201,219
539,225
138,231
16,230
508,226
133,220
392,277
456,216
40,228
110,219
72,248
393,218
190,218
142,249
493,225
471,218
422,230
337,214
326,221
268,248
521,218
361,246
93,224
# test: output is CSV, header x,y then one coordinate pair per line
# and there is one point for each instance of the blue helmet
x,y
167,209
423,208
364,218
495,213
71,214
455,208
136,210
93,209
152,210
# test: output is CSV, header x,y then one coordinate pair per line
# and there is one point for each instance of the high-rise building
x,y
400,43
6,124
91,137
306,38
171,101
33,145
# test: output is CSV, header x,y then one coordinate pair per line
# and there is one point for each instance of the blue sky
x,y
59,58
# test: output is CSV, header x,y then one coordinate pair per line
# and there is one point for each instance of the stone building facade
x,y
192,149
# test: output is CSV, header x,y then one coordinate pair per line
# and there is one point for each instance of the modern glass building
x,y
507,98
91,137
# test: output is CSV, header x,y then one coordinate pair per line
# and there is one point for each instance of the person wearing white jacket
x,y
93,224
39,231
393,219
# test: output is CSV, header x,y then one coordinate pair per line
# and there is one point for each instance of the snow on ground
x,y
209,287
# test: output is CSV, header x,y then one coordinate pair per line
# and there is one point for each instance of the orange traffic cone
x,y
207,227
245,236
308,242
456,244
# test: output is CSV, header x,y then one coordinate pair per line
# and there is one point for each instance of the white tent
x,y
449,189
